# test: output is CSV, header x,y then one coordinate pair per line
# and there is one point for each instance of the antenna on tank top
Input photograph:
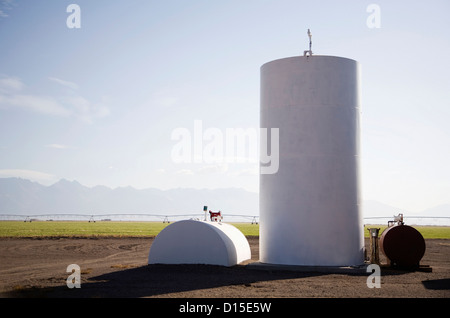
x,y
309,52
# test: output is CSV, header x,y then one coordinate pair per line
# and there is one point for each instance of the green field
x,y
97,229
144,229
76,229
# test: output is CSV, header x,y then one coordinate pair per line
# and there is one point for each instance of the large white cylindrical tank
x,y
309,209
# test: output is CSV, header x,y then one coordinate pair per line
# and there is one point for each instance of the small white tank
x,y
310,209
199,242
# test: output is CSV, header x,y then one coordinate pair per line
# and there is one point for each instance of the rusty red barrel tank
x,y
403,245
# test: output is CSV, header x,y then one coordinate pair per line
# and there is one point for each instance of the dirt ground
x,y
117,267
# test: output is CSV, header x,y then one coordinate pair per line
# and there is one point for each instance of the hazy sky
x,y
98,104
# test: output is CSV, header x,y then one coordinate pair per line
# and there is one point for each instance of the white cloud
x,y
40,104
163,98
67,84
8,84
184,172
5,5
57,146
84,109
210,169
69,105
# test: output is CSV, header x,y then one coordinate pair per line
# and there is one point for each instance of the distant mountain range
x,y
20,196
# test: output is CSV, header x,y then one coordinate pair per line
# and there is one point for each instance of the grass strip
x,y
146,229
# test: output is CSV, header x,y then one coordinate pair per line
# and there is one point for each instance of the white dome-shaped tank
x,y
309,208
199,242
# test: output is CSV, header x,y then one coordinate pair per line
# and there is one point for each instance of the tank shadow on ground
x,y
160,280
154,280
437,284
